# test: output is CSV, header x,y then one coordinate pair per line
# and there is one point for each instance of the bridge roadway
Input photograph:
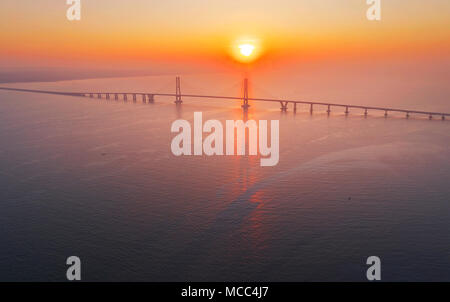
x,y
284,103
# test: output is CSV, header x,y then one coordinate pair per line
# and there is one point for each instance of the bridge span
x,y
284,103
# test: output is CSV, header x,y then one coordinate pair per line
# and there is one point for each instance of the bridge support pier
x,y
91,95
107,96
430,117
385,113
134,97
144,100
365,112
125,97
329,109
295,107
284,106
99,95
443,117
116,97
151,98
178,100
245,104
311,109
346,110
407,115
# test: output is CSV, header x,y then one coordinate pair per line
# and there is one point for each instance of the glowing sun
x,y
246,49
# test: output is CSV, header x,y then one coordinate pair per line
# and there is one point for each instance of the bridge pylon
x,y
178,91
245,104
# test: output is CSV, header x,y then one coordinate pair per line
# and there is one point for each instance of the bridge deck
x,y
286,101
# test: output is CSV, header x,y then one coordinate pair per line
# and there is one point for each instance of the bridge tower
x,y
178,92
245,104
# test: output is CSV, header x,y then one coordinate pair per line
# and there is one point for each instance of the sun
x,y
246,49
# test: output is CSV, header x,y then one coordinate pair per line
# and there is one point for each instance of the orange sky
x,y
152,32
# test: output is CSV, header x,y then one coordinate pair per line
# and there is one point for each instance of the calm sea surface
x,y
97,179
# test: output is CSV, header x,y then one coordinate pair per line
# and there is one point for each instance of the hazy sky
x,y
129,33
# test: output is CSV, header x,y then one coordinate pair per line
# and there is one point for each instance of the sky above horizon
x,y
152,33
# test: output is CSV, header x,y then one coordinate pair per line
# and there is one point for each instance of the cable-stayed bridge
x,y
150,98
